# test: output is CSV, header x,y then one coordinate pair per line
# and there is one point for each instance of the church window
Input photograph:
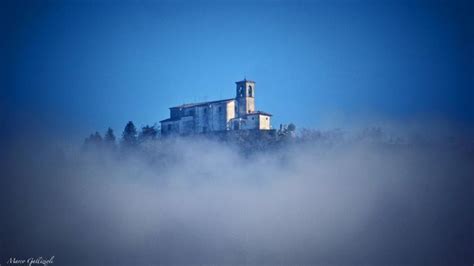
x,y
250,91
220,109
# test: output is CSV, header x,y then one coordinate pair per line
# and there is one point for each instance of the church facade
x,y
237,113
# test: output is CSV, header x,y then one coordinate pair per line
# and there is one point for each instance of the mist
x,y
334,198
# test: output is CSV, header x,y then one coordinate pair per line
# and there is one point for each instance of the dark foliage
x,y
93,140
129,135
148,133
248,141
109,139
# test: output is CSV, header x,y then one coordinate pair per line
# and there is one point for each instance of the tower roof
x,y
245,80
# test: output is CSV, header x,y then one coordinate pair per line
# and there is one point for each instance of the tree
x,y
287,130
109,138
97,137
148,133
129,135
291,127
93,140
109,135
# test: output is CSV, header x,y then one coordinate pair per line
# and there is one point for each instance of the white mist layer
x,y
196,201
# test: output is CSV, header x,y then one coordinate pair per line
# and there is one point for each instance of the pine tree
x,y
129,135
109,138
94,140
148,133
97,138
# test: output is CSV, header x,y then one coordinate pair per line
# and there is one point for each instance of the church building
x,y
237,113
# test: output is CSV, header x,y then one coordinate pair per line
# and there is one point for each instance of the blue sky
x,y
81,66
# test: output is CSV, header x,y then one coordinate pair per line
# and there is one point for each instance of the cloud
x,y
325,200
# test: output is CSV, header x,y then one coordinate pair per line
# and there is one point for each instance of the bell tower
x,y
245,96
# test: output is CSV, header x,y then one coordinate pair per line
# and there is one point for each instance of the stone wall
x,y
264,122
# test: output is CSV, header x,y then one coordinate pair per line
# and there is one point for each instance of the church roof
x,y
187,105
170,120
259,113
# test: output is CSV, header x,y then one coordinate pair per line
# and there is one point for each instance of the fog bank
x,y
325,200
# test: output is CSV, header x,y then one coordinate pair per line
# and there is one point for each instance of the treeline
x,y
131,138
250,141
247,141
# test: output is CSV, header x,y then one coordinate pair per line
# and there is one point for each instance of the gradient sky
x,y
81,66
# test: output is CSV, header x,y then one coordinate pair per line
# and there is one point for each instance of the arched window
x,y
250,91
